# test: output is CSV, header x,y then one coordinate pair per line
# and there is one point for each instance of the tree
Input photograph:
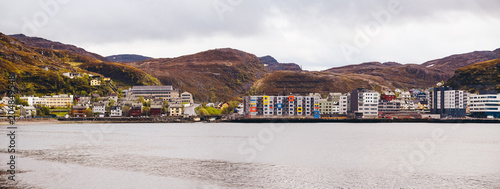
x,y
126,111
89,113
146,111
19,101
112,102
141,99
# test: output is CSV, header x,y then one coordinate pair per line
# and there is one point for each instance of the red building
x,y
136,110
79,111
390,96
156,110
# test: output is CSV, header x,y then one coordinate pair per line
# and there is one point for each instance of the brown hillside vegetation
x,y
291,82
214,75
47,44
483,76
396,75
451,63
30,63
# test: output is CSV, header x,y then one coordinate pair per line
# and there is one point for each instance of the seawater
x,y
227,155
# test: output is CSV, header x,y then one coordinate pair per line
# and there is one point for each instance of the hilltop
x,y
48,44
482,76
213,75
40,70
273,65
127,58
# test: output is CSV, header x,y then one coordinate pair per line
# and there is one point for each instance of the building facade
x,y
136,110
484,105
187,97
58,101
95,82
156,110
448,102
175,110
163,92
79,111
116,111
268,106
365,103
33,101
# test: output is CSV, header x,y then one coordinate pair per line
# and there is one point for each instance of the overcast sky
x,y
316,34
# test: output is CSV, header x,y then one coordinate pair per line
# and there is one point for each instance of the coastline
x,y
262,120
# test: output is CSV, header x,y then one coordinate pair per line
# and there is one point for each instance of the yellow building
x,y
61,101
95,82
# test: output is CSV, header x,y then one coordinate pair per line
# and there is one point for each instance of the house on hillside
x,y
79,111
28,111
116,111
187,97
95,82
72,75
136,110
156,110
175,110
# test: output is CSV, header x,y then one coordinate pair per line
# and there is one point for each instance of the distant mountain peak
x,y
127,58
48,44
273,65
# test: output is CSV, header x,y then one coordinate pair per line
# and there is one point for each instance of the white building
x,y
28,111
344,104
99,108
365,102
34,101
116,111
485,105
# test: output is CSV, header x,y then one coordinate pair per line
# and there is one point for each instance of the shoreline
x,y
262,120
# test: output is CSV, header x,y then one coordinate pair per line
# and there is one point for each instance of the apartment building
x,y
365,102
33,101
345,104
175,110
163,92
448,102
187,97
268,106
485,104
58,101
326,107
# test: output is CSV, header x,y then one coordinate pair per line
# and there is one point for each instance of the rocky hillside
x,y
40,70
293,82
483,76
273,65
396,75
451,63
214,75
47,44
127,58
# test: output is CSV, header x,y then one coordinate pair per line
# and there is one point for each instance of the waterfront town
x,y
440,102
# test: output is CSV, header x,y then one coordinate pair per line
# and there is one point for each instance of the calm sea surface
x,y
212,156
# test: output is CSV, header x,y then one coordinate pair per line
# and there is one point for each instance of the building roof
x,y
152,88
99,104
115,107
79,107
176,106
137,105
156,106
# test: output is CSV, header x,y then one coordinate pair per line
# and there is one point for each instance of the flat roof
x,y
152,88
